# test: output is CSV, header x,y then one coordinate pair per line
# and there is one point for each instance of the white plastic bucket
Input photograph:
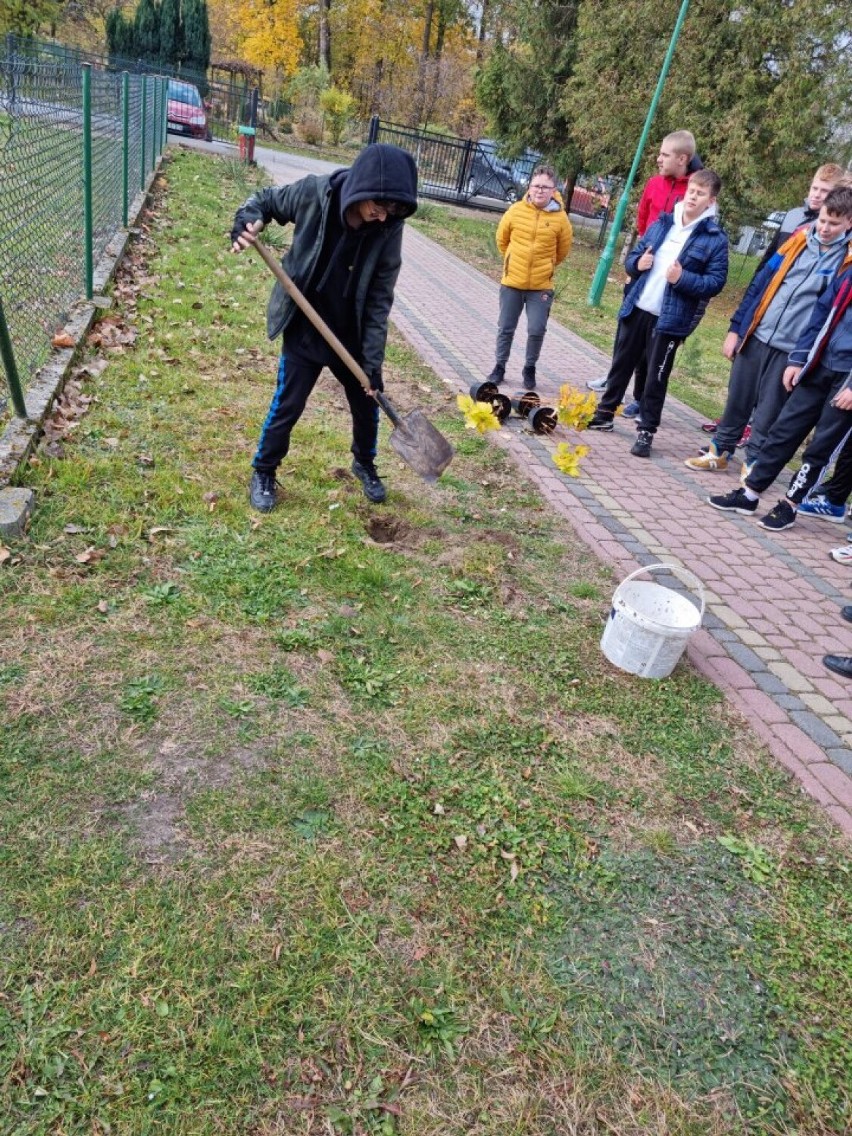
x,y
649,624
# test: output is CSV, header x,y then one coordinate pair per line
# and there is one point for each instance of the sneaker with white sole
x,y
821,508
711,461
597,384
734,502
632,409
842,555
782,516
600,421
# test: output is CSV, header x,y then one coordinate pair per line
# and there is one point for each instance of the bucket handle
x,y
691,581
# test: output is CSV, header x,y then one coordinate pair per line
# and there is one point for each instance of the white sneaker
x,y
842,555
597,384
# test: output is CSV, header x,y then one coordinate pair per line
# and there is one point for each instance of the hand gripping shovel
x,y
414,438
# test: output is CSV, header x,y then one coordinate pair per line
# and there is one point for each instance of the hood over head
x,y
381,173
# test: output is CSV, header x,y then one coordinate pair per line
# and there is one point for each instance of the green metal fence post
x,y
125,147
8,356
88,236
608,256
143,170
165,115
155,132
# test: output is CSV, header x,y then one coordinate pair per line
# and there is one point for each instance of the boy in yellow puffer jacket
x,y
534,236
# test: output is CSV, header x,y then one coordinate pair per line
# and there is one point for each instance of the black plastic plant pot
x,y
483,392
501,404
543,419
525,401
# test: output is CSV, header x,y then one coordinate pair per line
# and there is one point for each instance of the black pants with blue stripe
x,y
296,379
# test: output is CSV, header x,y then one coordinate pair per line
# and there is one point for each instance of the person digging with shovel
x,y
345,257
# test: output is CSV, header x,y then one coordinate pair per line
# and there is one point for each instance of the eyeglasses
x,y
392,208
543,188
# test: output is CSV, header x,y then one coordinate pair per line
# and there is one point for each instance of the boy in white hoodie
x,y
677,267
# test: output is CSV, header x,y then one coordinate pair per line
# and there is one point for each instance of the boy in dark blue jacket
x,y
820,378
345,257
677,267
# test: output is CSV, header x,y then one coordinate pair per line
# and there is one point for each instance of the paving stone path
x,y
772,600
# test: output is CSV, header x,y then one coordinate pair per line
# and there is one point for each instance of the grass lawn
x,y
700,376
335,821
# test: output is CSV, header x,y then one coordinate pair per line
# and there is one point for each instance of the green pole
x,y
155,132
125,147
144,126
87,180
8,356
608,255
165,117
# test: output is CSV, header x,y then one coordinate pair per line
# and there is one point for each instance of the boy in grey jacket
x,y
345,257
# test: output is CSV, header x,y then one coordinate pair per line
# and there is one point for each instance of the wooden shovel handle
x,y
276,268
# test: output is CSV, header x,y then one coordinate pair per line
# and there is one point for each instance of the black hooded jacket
x,y
380,172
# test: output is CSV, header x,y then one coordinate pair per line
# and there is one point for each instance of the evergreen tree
x,y
146,31
171,32
520,85
119,35
196,36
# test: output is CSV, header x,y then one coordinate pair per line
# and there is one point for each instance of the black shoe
x,y
497,375
846,613
600,421
840,664
262,491
783,516
528,378
734,502
374,489
641,448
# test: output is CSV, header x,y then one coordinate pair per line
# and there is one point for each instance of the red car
x,y
187,111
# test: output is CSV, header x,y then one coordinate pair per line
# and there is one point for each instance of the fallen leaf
x,y
461,842
5,554
103,607
156,530
62,339
438,809
325,656
514,870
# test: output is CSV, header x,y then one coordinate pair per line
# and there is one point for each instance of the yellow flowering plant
x,y
478,416
574,410
567,458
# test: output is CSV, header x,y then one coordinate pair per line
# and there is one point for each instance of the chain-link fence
x,y
76,145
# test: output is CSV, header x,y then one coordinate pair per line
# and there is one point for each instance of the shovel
x,y
414,438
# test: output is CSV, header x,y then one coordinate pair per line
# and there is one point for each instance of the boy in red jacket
x,y
675,162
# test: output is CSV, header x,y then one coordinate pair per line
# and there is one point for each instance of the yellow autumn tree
x,y
266,34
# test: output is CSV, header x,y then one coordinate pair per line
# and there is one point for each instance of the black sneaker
x,y
641,448
262,491
783,516
734,502
528,378
600,421
497,375
374,489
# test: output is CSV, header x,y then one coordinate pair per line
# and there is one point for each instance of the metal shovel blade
x,y
420,445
